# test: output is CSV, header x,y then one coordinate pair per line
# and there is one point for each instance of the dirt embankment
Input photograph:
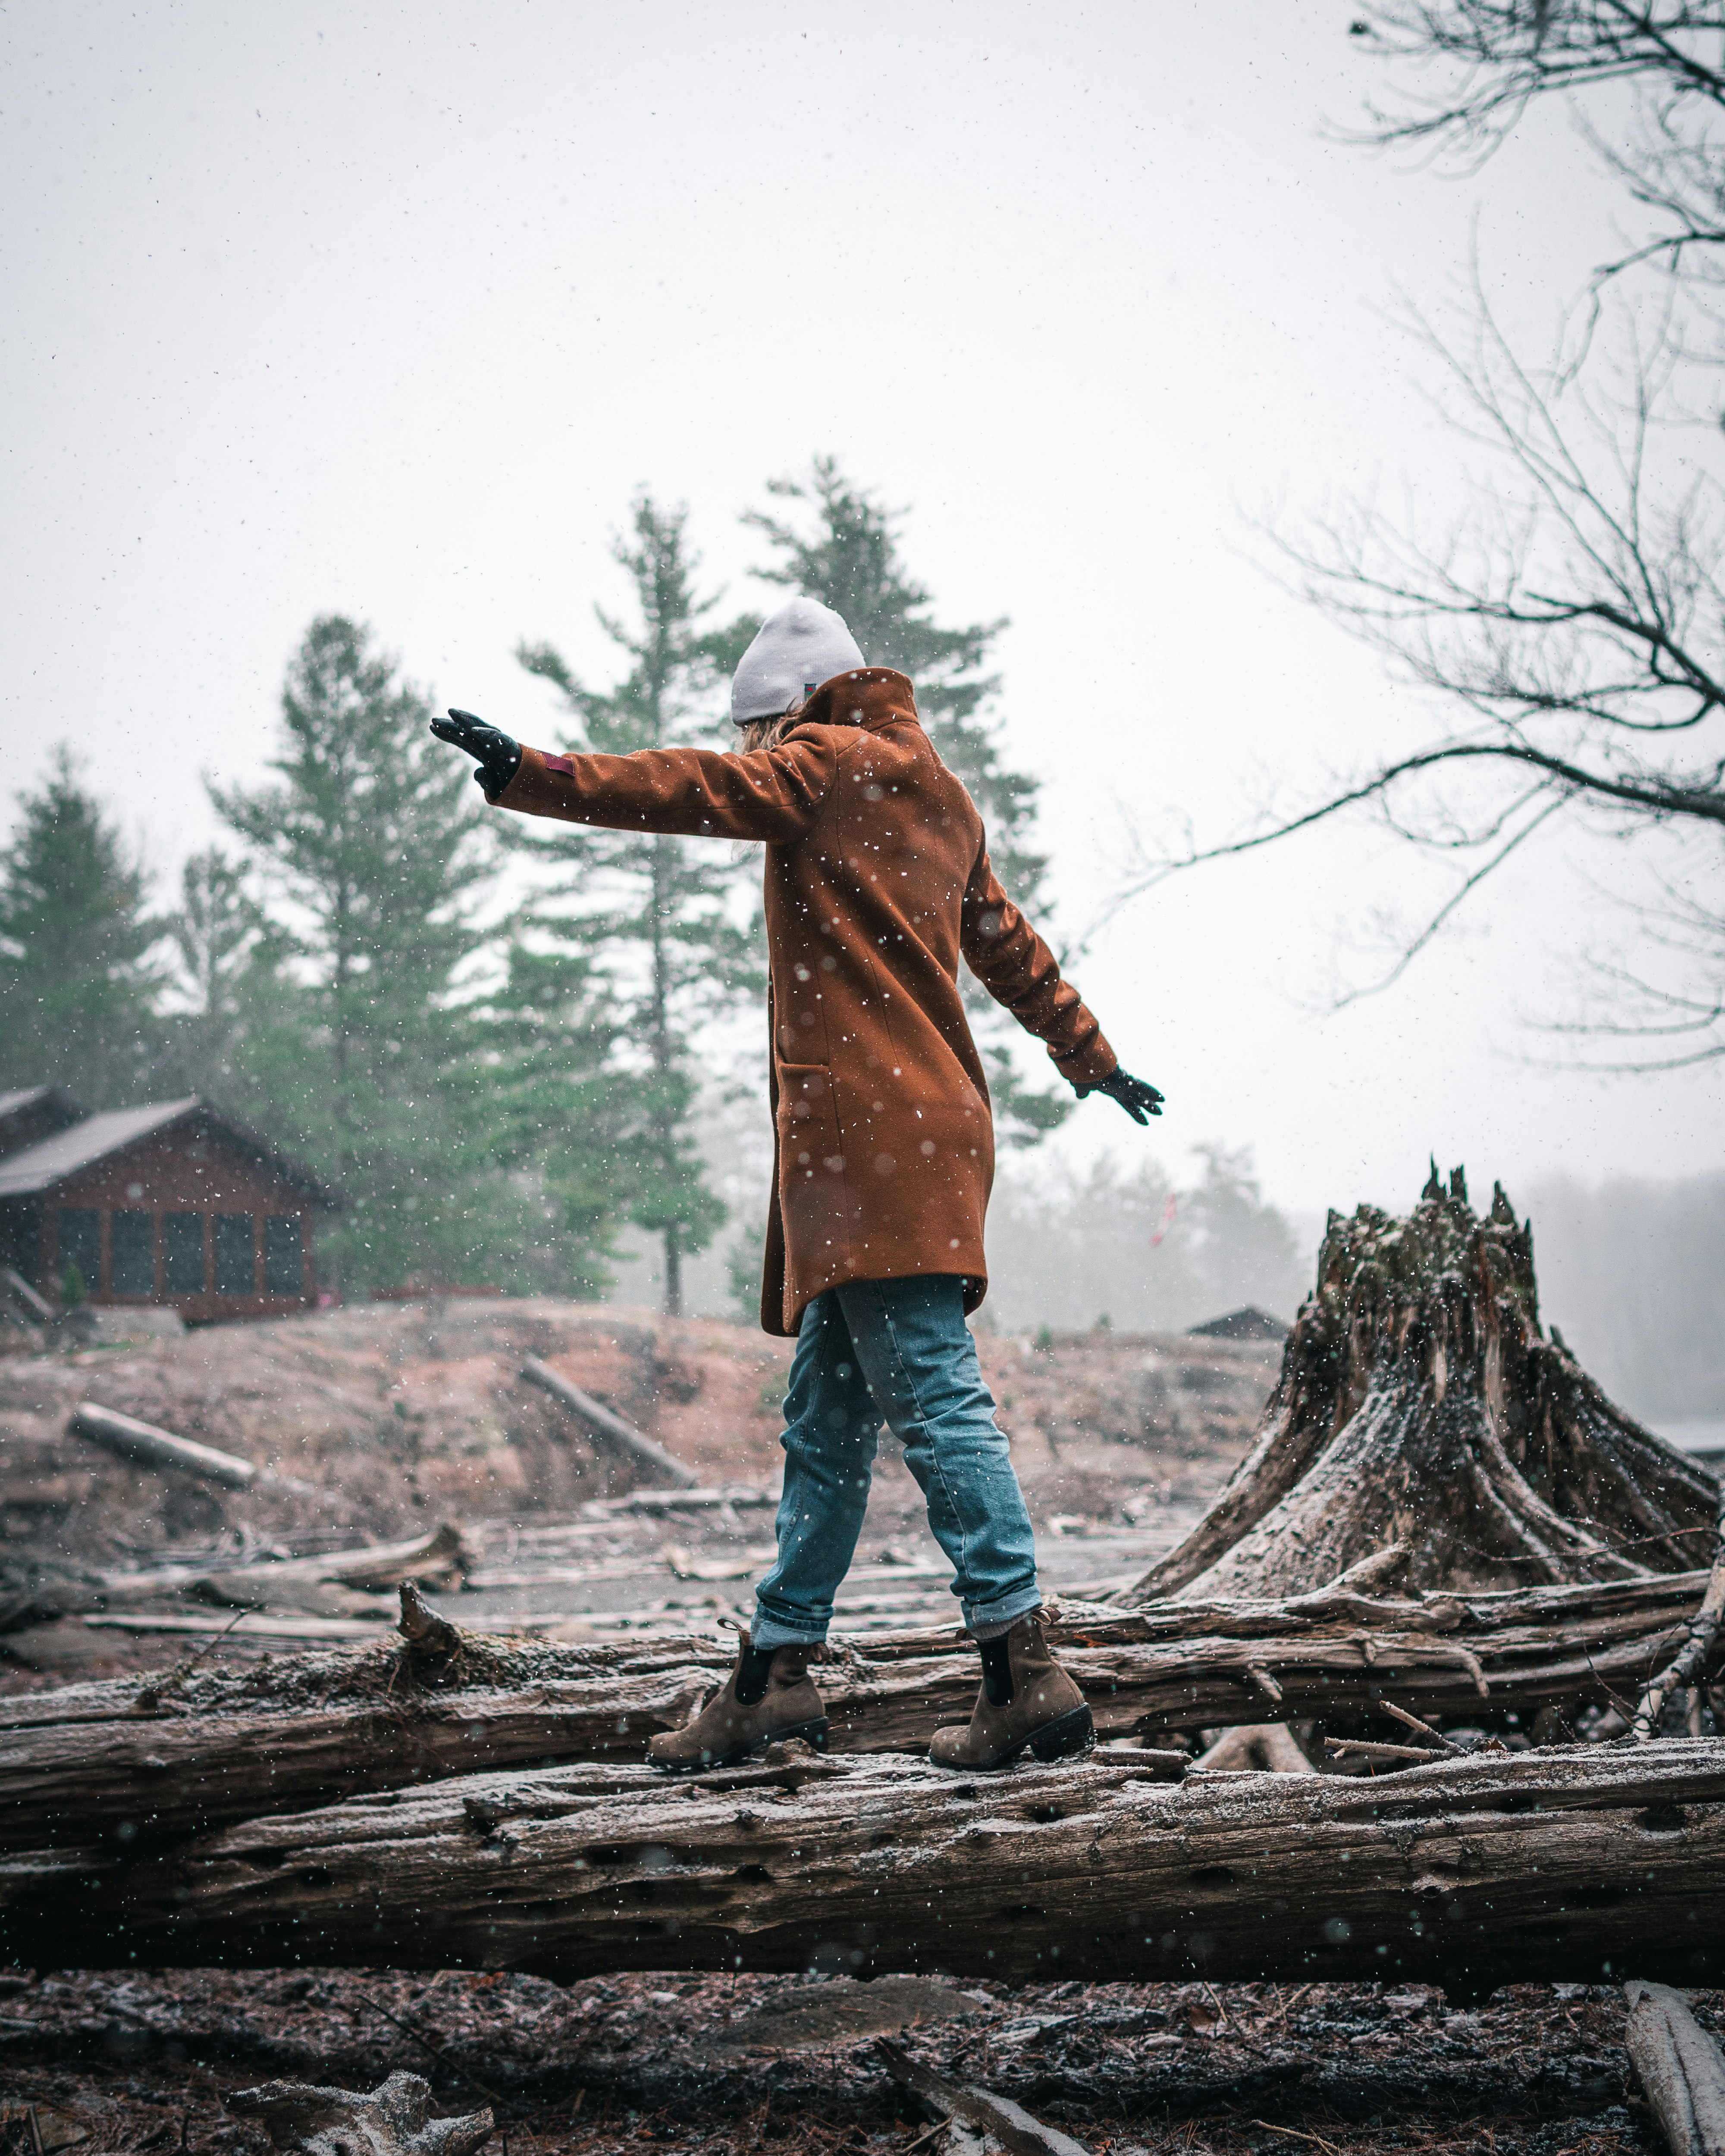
x,y
401,1414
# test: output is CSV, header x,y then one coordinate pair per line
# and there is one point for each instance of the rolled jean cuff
x,y
993,1620
767,1632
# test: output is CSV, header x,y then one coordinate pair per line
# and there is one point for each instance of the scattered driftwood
x,y
39,2129
80,1761
608,1428
144,1445
1473,1872
741,1497
1680,2067
1421,1409
1686,1666
294,1629
1264,1747
438,1560
394,2120
996,2116
35,1307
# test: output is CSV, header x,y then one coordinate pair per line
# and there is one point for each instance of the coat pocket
x,y
808,1143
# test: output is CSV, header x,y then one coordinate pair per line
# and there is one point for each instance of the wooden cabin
x,y
173,1204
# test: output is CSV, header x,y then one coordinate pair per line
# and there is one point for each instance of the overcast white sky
x,y
389,309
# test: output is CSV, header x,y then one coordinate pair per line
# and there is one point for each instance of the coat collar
x,y
870,697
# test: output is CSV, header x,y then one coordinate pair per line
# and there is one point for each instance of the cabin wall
x,y
184,1220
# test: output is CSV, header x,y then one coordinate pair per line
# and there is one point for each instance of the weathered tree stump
x,y
1424,1421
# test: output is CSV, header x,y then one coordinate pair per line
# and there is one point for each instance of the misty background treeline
x,y
532,1056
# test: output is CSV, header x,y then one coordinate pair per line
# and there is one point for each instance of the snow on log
x,y
167,1758
1420,1406
1574,1863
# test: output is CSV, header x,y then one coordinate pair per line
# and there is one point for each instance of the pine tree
x,y
77,985
847,556
354,1040
213,933
655,914
561,1109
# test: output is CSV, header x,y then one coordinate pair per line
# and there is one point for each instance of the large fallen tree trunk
x,y
160,1758
1573,1863
1422,1417
609,1428
143,1446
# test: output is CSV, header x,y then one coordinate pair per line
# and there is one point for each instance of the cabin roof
x,y
1250,1323
51,1160
34,1103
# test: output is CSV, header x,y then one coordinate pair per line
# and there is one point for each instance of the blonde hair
x,y
768,733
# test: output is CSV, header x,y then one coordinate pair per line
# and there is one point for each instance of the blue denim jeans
x,y
897,1351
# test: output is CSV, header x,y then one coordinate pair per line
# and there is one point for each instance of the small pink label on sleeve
x,y
563,763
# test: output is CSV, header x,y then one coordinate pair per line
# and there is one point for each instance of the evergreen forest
x,y
496,1037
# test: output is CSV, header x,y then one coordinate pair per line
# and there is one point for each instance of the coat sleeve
x,y
774,794
1019,970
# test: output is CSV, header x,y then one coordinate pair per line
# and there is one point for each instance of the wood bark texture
x,y
1687,1664
393,2120
1680,2067
155,1758
997,2118
1422,1408
1572,1863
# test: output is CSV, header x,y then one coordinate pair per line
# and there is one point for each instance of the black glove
x,y
1140,1102
499,757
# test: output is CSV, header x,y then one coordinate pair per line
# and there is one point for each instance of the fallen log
x,y
740,1496
611,1429
85,1760
144,1445
1266,1748
438,1559
996,2117
393,2120
1680,2067
1568,1863
1686,1667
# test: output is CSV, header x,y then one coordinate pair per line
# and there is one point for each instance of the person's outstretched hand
x,y
499,757
1140,1102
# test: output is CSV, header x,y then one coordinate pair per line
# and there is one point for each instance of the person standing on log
x,y
877,883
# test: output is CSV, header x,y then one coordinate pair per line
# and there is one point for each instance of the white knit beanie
x,y
803,644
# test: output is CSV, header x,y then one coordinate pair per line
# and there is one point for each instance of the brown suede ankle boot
x,y
1045,1714
726,1730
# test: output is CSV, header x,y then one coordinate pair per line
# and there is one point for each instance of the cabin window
x,y
284,1274
236,1270
132,1253
183,1253
81,1246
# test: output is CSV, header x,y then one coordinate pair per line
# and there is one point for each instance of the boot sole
x,y
813,1733
1063,1738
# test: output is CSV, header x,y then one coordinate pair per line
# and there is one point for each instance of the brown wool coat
x,y
878,881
